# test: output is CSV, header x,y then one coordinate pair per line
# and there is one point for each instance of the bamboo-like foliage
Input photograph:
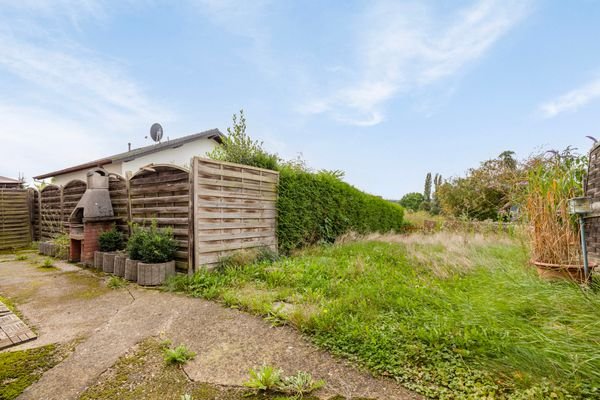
x,y
552,181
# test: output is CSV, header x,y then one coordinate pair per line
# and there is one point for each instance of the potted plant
x,y
109,242
554,233
152,253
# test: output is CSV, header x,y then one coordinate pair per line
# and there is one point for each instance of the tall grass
x,y
469,321
551,183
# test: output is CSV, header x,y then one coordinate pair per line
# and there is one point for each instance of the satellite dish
x,y
156,132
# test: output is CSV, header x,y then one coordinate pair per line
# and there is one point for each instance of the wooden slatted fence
x,y
119,197
71,194
234,207
51,212
161,193
15,218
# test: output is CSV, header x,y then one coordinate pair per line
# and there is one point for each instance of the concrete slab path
x,y
70,303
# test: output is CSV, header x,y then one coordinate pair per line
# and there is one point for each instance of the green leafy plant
x,y
300,384
266,377
111,240
238,147
21,257
62,242
179,355
48,263
116,282
151,244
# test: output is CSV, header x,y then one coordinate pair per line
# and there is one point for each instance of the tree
x,y
238,147
427,191
412,201
485,192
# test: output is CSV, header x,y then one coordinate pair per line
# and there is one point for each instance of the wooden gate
x,y
233,207
15,218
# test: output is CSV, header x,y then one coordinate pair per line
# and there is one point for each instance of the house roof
x,y
213,134
4,179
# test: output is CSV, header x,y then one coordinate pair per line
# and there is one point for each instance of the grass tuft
x,y
179,355
116,282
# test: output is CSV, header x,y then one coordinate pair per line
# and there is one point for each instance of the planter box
x,y
98,259
131,268
47,249
108,262
154,274
574,273
119,269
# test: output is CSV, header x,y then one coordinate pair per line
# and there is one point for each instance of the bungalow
x,y
177,151
10,183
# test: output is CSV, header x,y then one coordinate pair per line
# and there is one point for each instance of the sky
x,y
385,91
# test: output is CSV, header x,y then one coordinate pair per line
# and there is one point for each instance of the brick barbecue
x,y
92,216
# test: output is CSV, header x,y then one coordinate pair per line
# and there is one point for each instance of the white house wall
x,y
65,178
180,156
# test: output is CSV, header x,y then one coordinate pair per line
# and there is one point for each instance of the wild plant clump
x,y
152,244
551,183
112,240
269,378
179,355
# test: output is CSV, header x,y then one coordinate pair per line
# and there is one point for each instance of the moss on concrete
x,y
85,285
142,373
19,369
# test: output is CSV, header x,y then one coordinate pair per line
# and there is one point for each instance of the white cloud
x,y
68,104
573,100
402,46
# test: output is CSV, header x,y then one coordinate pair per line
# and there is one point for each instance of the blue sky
x,y
383,90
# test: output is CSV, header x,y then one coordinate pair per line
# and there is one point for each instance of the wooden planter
x,y
119,269
131,268
574,273
98,259
108,262
48,249
154,274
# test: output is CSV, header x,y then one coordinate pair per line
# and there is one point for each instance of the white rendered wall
x,y
65,178
179,156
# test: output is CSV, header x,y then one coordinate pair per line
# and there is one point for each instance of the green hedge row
x,y
315,208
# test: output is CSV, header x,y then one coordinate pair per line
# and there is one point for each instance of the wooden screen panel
x,y
35,213
235,207
72,192
15,222
161,193
119,198
50,212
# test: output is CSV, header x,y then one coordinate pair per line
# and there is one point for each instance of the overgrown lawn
x,y
447,316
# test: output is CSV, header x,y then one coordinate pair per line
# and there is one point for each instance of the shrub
x,y
179,355
412,201
151,244
238,147
112,240
319,207
62,243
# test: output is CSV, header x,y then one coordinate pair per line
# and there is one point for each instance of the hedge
x,y
317,208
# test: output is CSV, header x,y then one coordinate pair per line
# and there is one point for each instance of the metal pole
x,y
583,246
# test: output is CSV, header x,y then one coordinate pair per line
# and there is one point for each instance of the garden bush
x,y
112,240
151,244
319,207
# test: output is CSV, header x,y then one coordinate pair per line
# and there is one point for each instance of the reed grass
x,y
553,231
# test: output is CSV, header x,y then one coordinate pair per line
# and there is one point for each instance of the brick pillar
x,y
91,231
75,250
